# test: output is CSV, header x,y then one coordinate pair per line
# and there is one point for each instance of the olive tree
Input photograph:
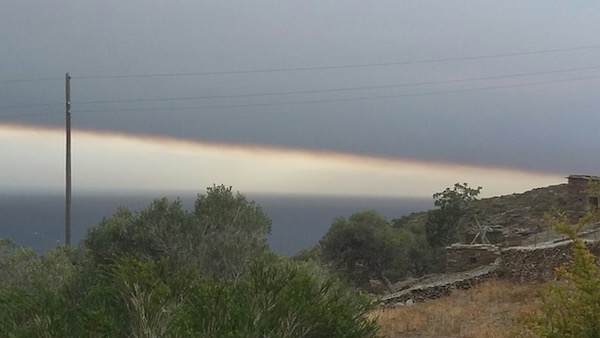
x,y
219,237
365,247
234,230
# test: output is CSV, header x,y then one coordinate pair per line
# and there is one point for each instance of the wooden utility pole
x,y
68,164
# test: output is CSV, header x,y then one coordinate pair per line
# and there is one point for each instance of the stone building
x,y
580,200
463,257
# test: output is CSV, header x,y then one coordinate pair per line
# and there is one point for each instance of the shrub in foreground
x,y
571,305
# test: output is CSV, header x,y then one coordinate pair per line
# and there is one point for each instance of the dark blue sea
x,y
37,219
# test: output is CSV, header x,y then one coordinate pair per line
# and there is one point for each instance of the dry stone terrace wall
x,y
441,287
462,257
517,219
528,264
517,264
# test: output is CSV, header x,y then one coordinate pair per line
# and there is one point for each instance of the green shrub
x,y
571,305
167,272
279,300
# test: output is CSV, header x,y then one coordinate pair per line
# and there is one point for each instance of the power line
x,y
20,115
365,98
365,65
325,90
329,90
32,105
32,80
296,69
314,91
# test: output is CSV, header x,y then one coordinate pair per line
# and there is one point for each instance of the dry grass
x,y
486,310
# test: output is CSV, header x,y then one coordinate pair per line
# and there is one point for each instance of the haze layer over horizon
x,y
34,159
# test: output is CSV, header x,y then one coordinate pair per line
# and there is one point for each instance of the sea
x,y
37,220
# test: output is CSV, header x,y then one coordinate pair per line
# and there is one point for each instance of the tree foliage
x,y
443,225
422,258
234,230
220,237
32,290
169,272
279,299
365,247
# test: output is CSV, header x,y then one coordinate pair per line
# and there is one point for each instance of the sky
x,y
386,98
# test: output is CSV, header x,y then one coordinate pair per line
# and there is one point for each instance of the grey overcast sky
x,y
546,121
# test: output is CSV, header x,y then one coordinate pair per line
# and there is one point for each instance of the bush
x,y
278,300
167,272
571,305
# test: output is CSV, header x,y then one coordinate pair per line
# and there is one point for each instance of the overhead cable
x,y
365,65
343,89
364,98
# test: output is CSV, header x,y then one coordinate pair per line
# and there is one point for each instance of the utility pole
x,y
68,164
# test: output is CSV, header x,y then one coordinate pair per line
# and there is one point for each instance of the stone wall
x,y
440,288
528,264
517,264
462,257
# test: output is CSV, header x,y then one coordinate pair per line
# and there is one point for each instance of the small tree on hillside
x,y
365,246
443,224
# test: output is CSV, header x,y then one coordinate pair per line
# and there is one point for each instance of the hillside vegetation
x,y
169,272
522,217
567,306
208,272
375,254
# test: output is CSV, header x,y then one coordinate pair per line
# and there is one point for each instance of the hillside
x,y
516,219
530,256
487,310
